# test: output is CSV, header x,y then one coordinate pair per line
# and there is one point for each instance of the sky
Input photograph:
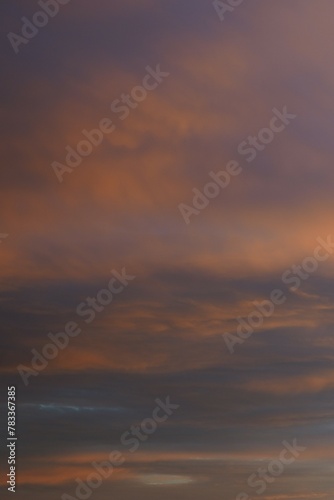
x,y
202,201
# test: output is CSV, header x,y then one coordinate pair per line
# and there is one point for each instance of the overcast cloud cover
x,y
162,335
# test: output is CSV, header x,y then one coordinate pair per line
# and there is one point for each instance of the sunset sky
x,y
120,211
